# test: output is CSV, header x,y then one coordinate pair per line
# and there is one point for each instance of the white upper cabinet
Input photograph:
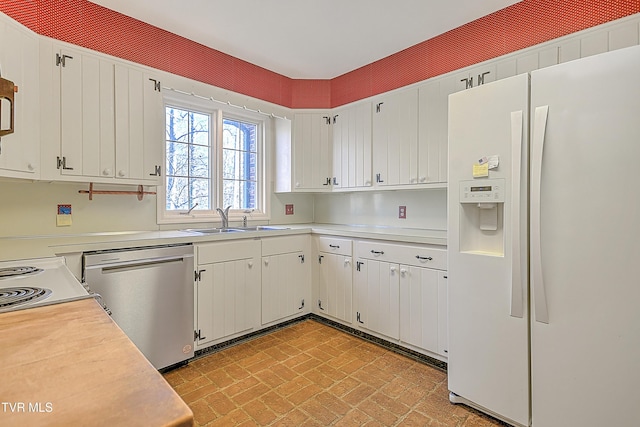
x,y
432,133
395,138
78,113
476,76
138,125
101,120
19,150
312,152
352,146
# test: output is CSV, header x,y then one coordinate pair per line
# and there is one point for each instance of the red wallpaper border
x,y
521,25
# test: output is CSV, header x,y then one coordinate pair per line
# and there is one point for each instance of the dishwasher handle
x,y
137,264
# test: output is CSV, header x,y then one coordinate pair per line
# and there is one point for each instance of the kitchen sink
x,y
213,230
235,229
262,228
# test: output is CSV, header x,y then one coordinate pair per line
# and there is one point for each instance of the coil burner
x,y
11,297
10,272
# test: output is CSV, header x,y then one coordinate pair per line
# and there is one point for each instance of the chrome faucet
x,y
224,214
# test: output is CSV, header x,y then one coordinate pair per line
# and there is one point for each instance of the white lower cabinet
x,y
286,277
419,302
400,293
377,295
227,289
334,278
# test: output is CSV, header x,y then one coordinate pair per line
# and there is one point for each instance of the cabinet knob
x,y
107,172
266,262
297,184
121,173
392,269
31,167
347,261
403,272
367,182
250,264
423,179
412,181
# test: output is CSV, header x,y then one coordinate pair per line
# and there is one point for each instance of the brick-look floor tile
x,y
241,386
220,403
233,418
304,394
377,412
257,410
318,412
312,375
359,394
277,403
354,417
344,387
202,413
250,394
415,419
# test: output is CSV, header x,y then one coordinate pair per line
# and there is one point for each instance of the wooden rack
x,y
140,193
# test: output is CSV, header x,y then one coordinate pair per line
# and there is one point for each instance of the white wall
x,y
29,208
426,209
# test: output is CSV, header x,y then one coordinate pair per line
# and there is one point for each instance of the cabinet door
x,y
20,150
284,286
312,151
335,286
377,297
139,125
419,307
395,138
86,114
153,142
443,310
352,146
224,294
432,142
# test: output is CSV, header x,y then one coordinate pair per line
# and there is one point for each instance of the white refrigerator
x,y
544,244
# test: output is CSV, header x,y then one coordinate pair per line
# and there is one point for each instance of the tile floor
x,y
310,374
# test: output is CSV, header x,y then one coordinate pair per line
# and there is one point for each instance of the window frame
x,y
217,115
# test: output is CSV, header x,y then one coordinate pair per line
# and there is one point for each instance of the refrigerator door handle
x,y
537,145
517,304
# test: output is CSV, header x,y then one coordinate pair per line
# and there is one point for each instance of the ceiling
x,y
307,39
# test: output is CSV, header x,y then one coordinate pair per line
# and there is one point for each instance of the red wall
x,y
524,24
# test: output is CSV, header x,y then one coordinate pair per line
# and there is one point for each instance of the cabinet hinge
x,y
62,163
358,264
62,59
156,84
378,105
358,318
157,171
327,120
197,335
198,275
320,305
302,305
320,259
301,259
335,118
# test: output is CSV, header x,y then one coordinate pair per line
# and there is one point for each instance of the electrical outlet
x,y
288,209
402,212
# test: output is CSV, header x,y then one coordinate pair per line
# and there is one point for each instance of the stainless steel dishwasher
x,y
150,294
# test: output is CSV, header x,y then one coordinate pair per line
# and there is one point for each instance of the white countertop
x,y
24,247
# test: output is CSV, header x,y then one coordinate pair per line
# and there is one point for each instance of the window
x,y
239,164
187,159
213,159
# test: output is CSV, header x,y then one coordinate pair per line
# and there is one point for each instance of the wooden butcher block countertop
x,y
69,365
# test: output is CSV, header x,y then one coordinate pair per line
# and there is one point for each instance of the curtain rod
x,y
209,98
